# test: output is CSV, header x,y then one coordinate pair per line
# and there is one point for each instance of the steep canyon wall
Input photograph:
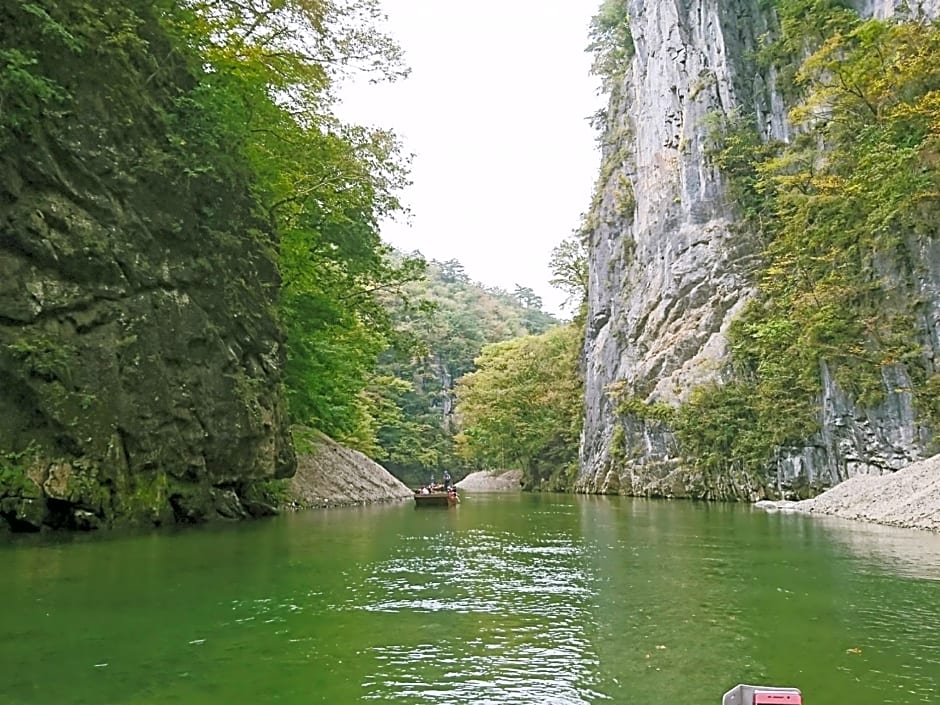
x,y
140,362
671,265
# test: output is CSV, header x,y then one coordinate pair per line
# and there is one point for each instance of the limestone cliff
x,y
671,266
140,361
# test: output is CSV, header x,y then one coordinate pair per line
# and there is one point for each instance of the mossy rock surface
x,y
140,357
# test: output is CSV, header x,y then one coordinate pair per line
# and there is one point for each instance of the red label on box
x,y
766,697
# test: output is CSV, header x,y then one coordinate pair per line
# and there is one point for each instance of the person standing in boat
x,y
446,480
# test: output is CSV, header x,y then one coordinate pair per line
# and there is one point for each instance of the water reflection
x,y
509,599
908,552
517,619
693,599
898,624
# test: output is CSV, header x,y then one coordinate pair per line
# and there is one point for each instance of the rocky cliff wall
x,y
671,266
140,361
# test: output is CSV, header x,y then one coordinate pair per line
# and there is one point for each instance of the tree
x,y
452,271
569,268
440,326
527,297
522,407
842,210
611,41
268,77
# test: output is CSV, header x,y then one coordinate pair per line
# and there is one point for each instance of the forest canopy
x,y
269,80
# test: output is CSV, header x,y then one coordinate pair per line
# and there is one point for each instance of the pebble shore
x,y
908,498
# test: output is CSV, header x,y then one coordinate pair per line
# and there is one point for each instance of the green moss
x,y
646,411
927,403
273,492
87,489
42,356
624,197
150,491
14,478
618,448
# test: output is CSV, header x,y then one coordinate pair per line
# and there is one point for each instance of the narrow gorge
x,y
685,270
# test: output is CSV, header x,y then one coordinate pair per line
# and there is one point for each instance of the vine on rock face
x,y
840,210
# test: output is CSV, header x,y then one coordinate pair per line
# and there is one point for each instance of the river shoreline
x,y
332,475
908,498
492,481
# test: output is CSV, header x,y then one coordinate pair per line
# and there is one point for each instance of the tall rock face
x,y
140,361
671,266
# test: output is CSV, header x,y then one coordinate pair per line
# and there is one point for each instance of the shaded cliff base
x,y
492,481
331,475
908,498
60,495
327,475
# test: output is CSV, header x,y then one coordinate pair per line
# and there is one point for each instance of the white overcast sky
x,y
495,112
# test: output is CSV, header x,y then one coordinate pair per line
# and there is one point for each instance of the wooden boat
x,y
437,498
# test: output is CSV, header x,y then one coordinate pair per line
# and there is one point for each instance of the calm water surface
x,y
505,599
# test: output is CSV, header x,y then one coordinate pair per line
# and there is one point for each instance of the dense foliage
x,y
347,299
268,73
523,407
611,42
252,102
374,344
442,322
840,211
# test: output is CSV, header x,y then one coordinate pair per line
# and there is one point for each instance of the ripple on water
x,y
910,627
520,634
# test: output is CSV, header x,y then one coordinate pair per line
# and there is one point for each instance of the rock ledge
x,y
331,475
492,481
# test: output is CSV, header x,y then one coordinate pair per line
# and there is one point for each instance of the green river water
x,y
505,599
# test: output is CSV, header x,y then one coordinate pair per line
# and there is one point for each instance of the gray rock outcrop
x,y
492,481
908,498
670,267
331,475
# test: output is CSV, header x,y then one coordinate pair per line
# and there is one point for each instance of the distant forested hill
x,y
442,324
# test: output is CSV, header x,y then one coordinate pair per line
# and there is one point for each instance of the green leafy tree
x,y
523,407
441,324
527,297
270,72
569,267
611,41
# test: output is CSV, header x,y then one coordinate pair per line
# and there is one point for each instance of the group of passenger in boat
x,y
445,485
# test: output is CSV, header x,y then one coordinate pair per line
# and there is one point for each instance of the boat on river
x,y
436,497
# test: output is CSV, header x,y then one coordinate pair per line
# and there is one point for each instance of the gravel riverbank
x,y
908,498
331,475
508,481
